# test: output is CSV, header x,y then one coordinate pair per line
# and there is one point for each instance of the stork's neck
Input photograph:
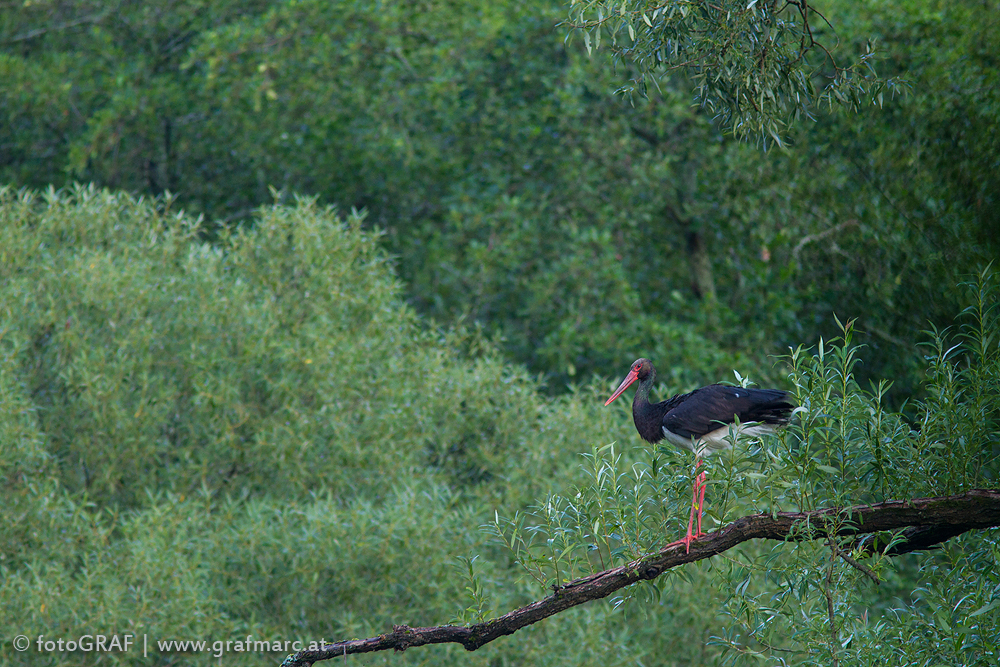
x,y
648,417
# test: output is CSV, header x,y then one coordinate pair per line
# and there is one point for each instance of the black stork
x,y
702,421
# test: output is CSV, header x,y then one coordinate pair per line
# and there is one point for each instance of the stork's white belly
x,y
719,439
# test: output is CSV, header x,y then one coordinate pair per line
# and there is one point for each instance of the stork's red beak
x,y
629,379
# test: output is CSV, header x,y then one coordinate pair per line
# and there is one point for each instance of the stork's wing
x,y
709,408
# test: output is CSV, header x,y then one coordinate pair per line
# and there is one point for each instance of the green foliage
x,y
97,89
277,358
518,194
205,569
758,66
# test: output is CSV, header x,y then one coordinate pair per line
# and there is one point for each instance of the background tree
x,y
756,65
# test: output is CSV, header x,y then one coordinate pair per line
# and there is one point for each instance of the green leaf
x,y
985,609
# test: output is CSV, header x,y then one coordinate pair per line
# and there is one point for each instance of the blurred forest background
x,y
350,277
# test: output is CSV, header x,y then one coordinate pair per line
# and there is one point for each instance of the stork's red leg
x,y
695,508
696,491
694,498
701,501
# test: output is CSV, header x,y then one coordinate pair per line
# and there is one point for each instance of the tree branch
x,y
860,567
820,235
926,523
38,32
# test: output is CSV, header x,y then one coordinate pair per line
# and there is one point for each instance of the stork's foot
x,y
686,541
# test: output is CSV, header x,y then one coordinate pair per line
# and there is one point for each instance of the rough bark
x,y
923,522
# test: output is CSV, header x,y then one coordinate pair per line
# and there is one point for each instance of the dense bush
x,y
278,358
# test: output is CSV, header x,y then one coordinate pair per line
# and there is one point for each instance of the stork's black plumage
x,y
702,421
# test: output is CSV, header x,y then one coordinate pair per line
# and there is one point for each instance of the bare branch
x,y
38,32
860,567
927,522
820,235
